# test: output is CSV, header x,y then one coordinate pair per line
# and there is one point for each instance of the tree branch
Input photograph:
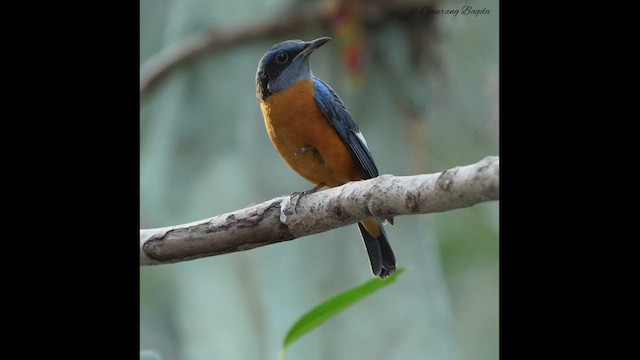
x,y
160,65
287,218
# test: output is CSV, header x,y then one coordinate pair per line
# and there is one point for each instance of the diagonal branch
x,y
179,54
275,220
173,57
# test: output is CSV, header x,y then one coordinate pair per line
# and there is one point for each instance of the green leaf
x,y
333,306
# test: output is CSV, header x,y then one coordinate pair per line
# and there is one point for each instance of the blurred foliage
x,y
149,355
204,151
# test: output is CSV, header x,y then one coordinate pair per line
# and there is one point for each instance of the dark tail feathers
x,y
383,262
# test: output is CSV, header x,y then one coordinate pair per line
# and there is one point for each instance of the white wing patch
x,y
361,137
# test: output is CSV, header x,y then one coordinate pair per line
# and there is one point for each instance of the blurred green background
x,y
425,95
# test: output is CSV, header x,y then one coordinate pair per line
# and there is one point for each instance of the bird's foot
x,y
299,194
305,149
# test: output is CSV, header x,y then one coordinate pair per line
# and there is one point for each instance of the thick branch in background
x,y
162,64
290,217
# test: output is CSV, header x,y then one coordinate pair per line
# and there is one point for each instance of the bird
x,y
315,134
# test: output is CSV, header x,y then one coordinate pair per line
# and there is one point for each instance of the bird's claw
x,y
300,194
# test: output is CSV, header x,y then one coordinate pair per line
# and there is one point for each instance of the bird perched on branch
x,y
316,135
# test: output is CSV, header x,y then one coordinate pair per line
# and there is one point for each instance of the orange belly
x,y
294,122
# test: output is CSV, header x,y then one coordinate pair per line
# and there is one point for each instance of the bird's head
x,y
285,64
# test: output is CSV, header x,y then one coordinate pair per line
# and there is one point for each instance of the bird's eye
x,y
282,58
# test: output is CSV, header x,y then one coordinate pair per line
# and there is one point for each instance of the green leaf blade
x,y
333,306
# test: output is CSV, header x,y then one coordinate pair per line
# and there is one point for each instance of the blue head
x,y
285,64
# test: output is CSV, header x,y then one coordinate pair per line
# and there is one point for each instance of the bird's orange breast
x,y
294,123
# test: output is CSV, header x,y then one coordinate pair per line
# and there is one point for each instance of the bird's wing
x,y
338,116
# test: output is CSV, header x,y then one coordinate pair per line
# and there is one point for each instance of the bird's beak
x,y
312,46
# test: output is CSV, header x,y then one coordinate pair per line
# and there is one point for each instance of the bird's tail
x,y
383,262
